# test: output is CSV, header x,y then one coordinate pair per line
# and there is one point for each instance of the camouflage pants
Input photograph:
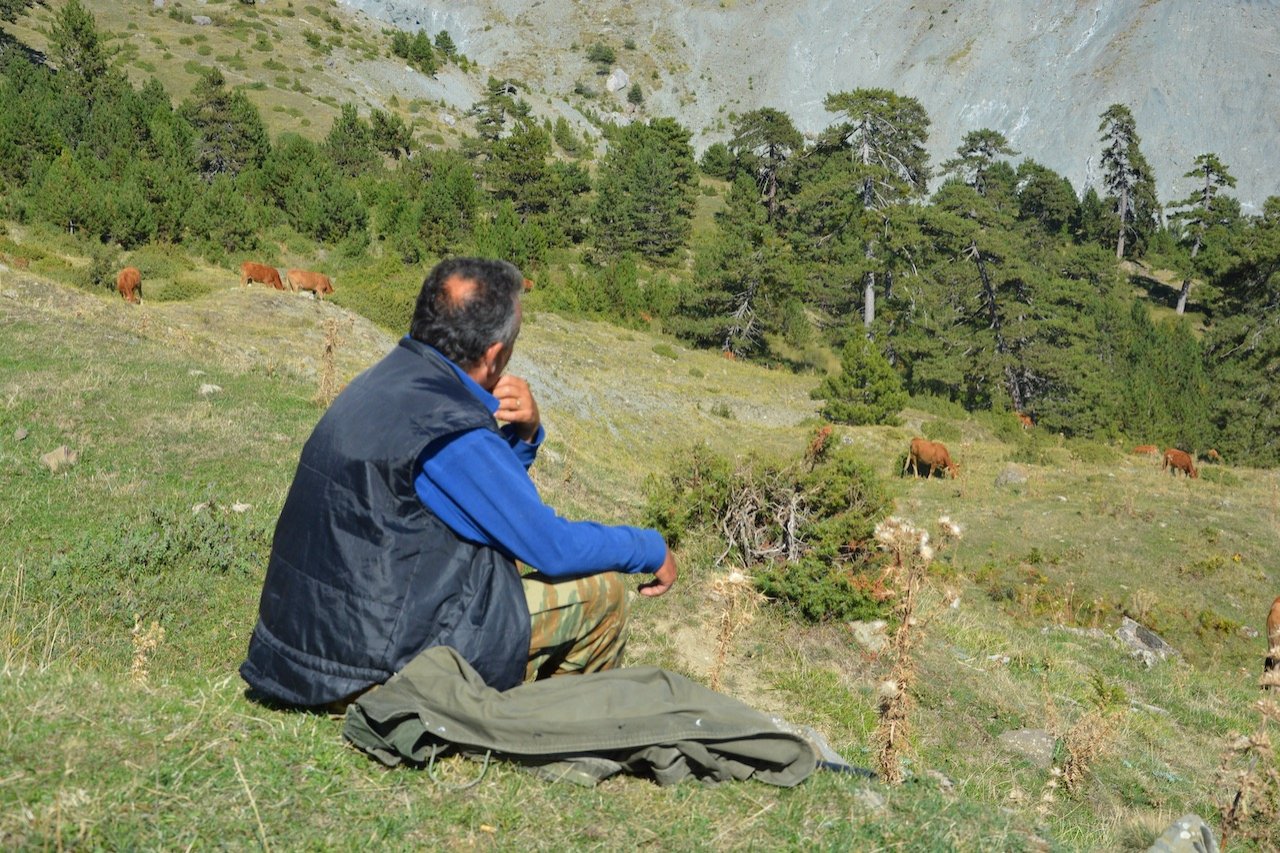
x,y
577,624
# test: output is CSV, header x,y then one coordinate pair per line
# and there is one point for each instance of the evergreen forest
x,y
987,280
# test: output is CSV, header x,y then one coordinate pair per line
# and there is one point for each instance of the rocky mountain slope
x,y
1198,74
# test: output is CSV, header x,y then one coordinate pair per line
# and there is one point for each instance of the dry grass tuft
x,y
739,602
910,556
21,640
328,386
145,642
1085,742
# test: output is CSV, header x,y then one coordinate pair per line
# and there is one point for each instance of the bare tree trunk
x,y
869,301
1186,282
1124,212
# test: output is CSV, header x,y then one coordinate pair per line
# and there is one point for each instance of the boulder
x,y
60,457
1143,643
201,20
1011,476
1036,745
1187,834
618,80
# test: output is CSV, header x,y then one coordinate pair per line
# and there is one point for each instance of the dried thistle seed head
x,y
949,529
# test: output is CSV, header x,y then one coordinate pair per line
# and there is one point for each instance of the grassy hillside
x,y
297,61
128,587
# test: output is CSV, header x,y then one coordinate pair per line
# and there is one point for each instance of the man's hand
x,y
663,578
517,406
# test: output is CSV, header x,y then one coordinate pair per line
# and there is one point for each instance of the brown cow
x,y
317,283
931,453
1272,664
1212,455
1147,450
261,273
1025,420
1176,460
129,283
528,285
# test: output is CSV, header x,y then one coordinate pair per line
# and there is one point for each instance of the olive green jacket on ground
x,y
582,728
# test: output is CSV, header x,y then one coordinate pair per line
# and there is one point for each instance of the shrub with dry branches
x,y
1250,773
802,530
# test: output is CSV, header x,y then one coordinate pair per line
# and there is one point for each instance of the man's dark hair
x,y
465,319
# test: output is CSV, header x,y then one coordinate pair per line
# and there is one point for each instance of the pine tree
x,y
976,156
866,391
1202,210
350,143
645,187
1127,176
884,134
1045,197
389,134
229,134
763,141
75,46
745,279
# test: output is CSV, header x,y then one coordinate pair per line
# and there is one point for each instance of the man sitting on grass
x,y
410,508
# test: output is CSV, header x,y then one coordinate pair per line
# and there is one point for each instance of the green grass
x,y
185,758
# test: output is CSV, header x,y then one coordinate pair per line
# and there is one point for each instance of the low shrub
x,y
940,431
180,290
801,529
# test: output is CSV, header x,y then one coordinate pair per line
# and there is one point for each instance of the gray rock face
x,y
617,81
1187,834
201,20
1143,643
1011,476
1196,73
1036,745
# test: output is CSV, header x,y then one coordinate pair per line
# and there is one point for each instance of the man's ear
x,y
492,359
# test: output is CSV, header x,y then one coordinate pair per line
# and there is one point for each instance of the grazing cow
x,y
261,273
318,283
129,283
931,453
1176,460
1273,641
1212,455
1025,420
1147,450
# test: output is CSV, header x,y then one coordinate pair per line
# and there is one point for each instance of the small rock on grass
x,y
60,457
20,433
1187,834
1035,744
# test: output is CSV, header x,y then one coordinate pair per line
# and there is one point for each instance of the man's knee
x,y
612,593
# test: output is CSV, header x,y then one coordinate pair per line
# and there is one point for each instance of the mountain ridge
x,y
1039,72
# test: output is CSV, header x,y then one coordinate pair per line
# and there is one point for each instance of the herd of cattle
x,y
934,456
129,280
923,453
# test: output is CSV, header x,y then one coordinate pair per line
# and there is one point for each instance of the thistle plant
x,y
910,555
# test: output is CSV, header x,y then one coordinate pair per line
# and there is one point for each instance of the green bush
x,y
666,351
1221,476
182,290
827,571
940,431
866,391
1091,452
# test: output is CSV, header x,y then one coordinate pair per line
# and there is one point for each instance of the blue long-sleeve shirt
x,y
477,483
